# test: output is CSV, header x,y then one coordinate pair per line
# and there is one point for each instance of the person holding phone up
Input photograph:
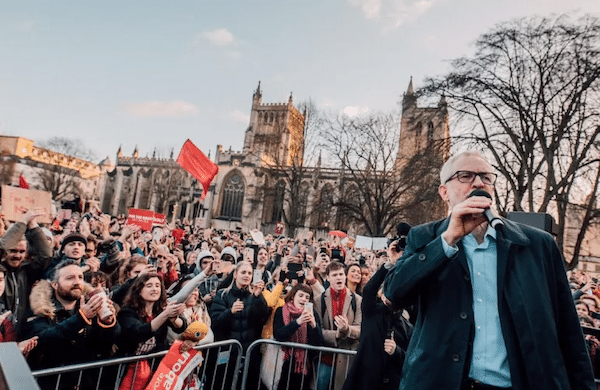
x,y
296,322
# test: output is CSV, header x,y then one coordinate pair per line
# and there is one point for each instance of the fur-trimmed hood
x,y
40,299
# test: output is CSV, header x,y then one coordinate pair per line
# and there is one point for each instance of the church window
x,y
418,131
278,202
233,197
430,132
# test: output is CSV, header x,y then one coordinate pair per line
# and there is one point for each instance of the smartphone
x,y
257,276
293,269
336,254
308,307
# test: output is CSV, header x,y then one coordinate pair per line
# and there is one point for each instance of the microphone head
x,y
480,192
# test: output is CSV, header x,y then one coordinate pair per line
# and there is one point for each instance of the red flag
x,y
198,165
23,183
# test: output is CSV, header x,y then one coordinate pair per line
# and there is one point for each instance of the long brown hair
x,y
134,298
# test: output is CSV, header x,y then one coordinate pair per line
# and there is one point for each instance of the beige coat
x,y
343,362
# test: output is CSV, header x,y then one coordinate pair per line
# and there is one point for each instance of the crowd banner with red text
x,y
16,201
145,218
174,368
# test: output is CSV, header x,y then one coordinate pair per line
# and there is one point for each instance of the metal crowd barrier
x,y
219,370
277,374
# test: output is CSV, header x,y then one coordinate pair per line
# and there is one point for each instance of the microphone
x,y
492,218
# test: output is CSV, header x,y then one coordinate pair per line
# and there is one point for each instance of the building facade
x,y
61,174
249,190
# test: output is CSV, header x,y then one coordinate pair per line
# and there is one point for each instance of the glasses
x,y
487,178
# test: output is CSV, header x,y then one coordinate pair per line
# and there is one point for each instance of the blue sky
x,y
154,73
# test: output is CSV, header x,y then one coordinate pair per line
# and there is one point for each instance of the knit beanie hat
x,y
70,238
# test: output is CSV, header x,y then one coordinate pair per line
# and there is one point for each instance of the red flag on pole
x,y
23,183
198,165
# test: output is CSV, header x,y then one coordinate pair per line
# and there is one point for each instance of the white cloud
x,y
26,26
352,111
239,116
395,12
161,109
219,37
371,8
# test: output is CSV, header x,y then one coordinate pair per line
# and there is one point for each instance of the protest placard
x,y
16,201
145,219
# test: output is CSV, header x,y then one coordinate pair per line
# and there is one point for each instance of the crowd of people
x,y
453,304
91,287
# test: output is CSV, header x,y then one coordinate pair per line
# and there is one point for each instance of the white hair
x,y
448,168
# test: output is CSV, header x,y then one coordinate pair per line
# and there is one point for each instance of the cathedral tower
x,y
276,132
422,129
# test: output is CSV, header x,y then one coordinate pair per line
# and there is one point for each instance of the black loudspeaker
x,y
538,220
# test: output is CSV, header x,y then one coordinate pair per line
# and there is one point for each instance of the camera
x,y
399,242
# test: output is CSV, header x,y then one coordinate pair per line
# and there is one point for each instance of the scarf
x,y
300,336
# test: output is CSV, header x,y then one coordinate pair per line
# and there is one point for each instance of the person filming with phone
x,y
494,308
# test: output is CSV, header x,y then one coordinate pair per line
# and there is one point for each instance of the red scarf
x,y
300,336
337,302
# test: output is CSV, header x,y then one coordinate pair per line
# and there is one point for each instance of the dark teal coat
x,y
543,338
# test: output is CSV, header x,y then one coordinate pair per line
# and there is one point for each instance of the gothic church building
x,y
245,193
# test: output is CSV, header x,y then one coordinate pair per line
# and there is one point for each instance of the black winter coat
x,y
19,281
373,367
541,330
283,332
245,326
135,332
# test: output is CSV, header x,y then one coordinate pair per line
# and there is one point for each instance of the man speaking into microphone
x,y
494,308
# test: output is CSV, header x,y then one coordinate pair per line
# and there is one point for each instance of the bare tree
x,y
7,168
58,179
375,192
289,170
530,96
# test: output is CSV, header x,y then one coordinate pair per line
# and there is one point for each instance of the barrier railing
x,y
222,360
272,364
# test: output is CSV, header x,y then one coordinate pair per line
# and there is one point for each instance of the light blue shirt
x,y
489,363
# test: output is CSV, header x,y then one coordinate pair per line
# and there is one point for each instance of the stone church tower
x,y
275,135
423,129
423,148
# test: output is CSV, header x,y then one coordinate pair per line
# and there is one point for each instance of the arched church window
x,y
418,131
325,205
430,132
278,202
233,197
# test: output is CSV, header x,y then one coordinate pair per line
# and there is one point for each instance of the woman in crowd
x,y
195,310
127,273
239,312
296,323
144,321
320,268
189,265
262,259
354,278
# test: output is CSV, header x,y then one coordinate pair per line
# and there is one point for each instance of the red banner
x,y
145,218
175,368
198,165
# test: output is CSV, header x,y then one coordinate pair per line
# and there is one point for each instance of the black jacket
x,y
373,367
136,332
541,330
245,326
283,332
19,281
64,337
